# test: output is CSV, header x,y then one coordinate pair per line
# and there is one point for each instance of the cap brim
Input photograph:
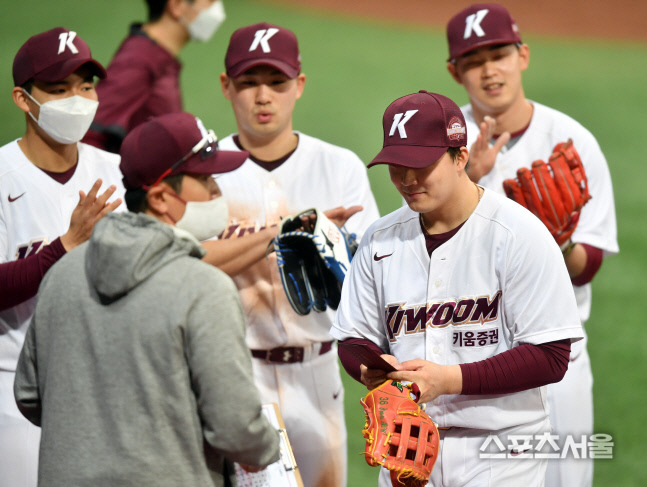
x,y
223,161
61,71
415,157
239,69
489,42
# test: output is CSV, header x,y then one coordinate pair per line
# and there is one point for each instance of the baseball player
x,y
488,57
144,76
447,290
295,363
44,208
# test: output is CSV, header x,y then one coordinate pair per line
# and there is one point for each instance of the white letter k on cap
x,y
473,24
66,39
399,121
261,37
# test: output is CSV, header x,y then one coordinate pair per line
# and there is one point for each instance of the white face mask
x,y
66,120
205,25
204,219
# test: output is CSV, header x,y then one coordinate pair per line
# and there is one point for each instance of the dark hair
x,y
453,152
155,9
28,85
136,200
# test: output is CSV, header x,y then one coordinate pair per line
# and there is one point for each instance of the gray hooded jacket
x,y
135,363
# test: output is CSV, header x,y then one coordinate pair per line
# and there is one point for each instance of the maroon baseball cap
x,y
175,143
53,56
480,25
263,44
418,130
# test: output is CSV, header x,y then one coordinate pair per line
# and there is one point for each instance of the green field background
x,y
354,69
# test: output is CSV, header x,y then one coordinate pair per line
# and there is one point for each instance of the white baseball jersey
x,y
317,174
481,293
320,175
570,400
548,127
35,210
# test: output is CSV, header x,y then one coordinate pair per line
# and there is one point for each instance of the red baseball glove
x,y
399,435
555,192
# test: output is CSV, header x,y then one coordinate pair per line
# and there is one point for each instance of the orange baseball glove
x,y
399,435
554,192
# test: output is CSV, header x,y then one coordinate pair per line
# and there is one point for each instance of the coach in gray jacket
x,y
135,364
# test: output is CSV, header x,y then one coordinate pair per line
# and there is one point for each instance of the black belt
x,y
288,355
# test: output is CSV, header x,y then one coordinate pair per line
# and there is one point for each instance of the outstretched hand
x,y
340,215
432,379
482,155
90,209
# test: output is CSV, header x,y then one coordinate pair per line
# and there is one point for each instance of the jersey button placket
x,y
436,337
271,201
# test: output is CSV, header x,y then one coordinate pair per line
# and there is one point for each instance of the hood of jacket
x,y
126,248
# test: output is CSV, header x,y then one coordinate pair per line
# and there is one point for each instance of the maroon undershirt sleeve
x,y
19,279
520,368
523,367
349,361
593,263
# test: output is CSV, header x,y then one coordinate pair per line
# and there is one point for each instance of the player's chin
x,y
414,200
268,128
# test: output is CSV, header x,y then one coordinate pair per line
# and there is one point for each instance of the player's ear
x,y
224,85
20,99
176,8
301,81
451,67
156,200
524,56
461,158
